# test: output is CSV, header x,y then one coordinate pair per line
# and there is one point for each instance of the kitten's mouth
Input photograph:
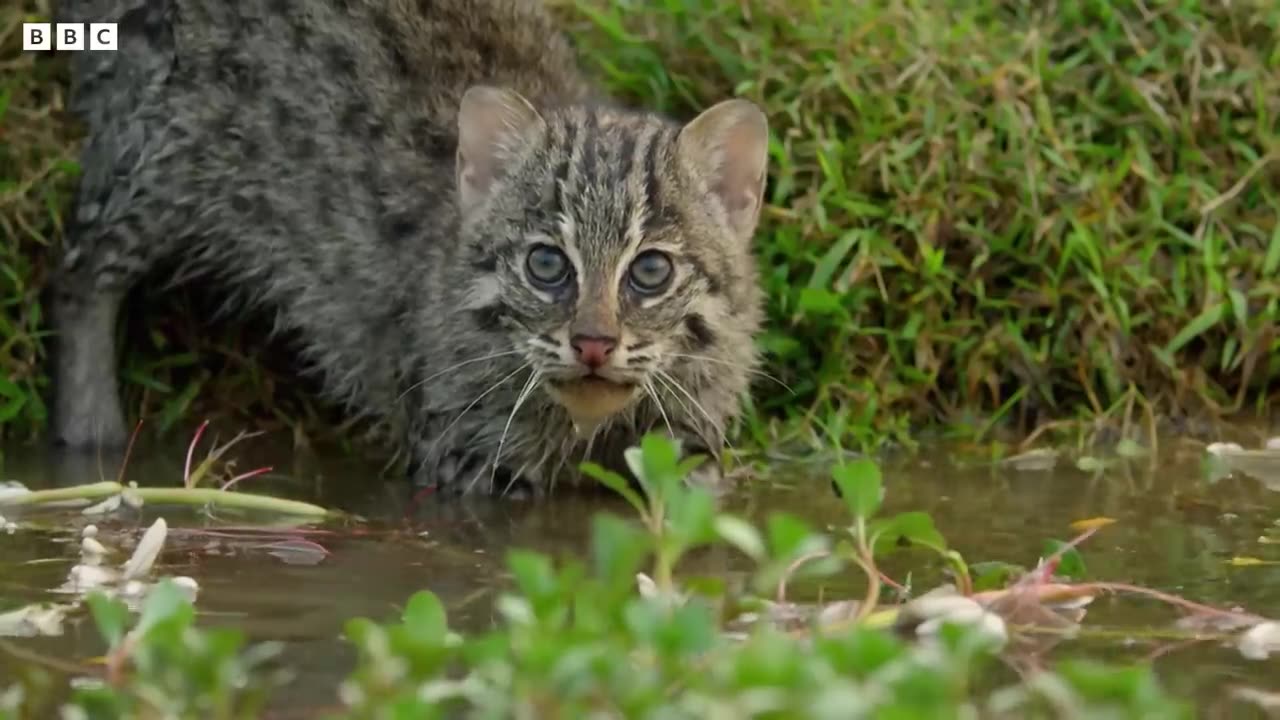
x,y
591,399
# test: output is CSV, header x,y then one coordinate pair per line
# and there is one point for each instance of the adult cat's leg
x,y
86,401
119,225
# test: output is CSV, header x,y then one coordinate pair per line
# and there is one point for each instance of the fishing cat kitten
x,y
473,247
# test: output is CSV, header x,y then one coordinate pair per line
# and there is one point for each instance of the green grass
x,y
36,175
1031,210
985,214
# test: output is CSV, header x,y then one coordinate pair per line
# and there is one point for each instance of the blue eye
x,y
650,272
547,266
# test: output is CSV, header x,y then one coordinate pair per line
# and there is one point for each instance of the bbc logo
x,y
68,36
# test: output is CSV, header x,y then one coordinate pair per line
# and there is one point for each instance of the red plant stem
x,y
1174,600
1044,573
892,583
417,499
793,567
246,476
127,452
191,450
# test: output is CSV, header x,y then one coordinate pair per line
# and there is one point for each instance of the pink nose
x,y
593,351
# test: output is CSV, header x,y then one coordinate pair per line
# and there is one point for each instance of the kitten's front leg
x,y
458,471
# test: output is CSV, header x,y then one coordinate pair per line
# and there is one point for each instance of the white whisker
x,y
514,476
653,395
528,388
591,442
451,368
738,366
684,407
480,397
672,382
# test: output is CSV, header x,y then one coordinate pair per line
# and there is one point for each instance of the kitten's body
x,y
302,153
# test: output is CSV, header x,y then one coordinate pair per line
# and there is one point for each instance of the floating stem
x,y
170,496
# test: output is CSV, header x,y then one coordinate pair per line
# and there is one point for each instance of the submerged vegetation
x,y
981,216
979,212
626,632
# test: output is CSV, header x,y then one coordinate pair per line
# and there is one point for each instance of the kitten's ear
x,y
493,126
727,146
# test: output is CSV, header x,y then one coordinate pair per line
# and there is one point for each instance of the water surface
x,y
1177,531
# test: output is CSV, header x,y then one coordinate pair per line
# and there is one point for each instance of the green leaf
x,y
1134,688
994,574
534,574
359,630
860,486
659,453
708,586
825,268
165,602
617,550
1198,326
1090,464
110,615
861,652
1271,264
1128,448
616,483
15,400
742,535
1071,563
916,528
692,518
689,630
790,536
819,301
654,463
688,465
425,616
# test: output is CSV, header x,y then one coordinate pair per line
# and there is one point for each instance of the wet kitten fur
x,y
376,172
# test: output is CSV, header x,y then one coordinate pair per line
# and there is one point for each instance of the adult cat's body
x,y
509,276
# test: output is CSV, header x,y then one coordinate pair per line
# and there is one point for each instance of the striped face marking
x,y
600,253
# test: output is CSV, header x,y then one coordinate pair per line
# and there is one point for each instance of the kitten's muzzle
x,y
591,399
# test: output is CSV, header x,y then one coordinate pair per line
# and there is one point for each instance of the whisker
x,y
481,396
514,476
739,366
653,394
528,388
591,442
451,368
683,406
672,382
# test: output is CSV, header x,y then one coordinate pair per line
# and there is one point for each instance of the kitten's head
x,y
613,249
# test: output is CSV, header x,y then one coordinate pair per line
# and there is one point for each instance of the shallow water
x,y
1177,531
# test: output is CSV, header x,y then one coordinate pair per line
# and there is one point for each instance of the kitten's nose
x,y
593,350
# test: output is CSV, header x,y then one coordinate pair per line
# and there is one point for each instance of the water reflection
x,y
1176,531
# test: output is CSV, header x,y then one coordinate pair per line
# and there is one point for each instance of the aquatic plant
x,y
624,632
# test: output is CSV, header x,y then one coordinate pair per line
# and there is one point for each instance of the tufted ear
x,y
727,148
493,126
